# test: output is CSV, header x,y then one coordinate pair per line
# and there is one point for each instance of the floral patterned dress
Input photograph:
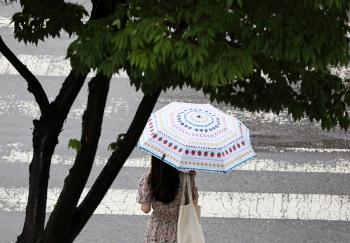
x,y
162,224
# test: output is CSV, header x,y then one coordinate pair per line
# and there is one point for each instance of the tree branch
x,y
34,85
113,166
59,222
68,92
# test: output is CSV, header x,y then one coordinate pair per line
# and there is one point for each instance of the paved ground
x,y
297,190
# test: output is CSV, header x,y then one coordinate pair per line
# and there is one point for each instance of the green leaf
x,y
116,23
74,144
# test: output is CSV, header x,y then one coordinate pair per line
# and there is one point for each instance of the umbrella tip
x,y
163,157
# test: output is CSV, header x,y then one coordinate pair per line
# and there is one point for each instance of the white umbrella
x,y
197,137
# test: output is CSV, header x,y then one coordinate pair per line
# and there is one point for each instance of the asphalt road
x,y
298,189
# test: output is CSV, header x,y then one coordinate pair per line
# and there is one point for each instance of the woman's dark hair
x,y
164,181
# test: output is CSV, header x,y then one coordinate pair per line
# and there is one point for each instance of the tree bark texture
x,y
47,129
45,134
59,221
110,171
45,138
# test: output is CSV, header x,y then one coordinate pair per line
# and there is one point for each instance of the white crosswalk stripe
x,y
5,23
43,65
214,204
339,165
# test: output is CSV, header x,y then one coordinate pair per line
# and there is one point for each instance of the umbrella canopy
x,y
196,137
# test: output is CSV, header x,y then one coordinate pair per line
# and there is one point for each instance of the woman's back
x,y
162,225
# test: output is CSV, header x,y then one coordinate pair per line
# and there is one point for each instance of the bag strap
x,y
186,181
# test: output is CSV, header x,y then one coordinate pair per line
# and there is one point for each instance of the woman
x,y
161,189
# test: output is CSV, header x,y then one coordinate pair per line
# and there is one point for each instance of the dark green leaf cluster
x,y
74,144
311,32
164,46
94,51
267,55
40,19
320,96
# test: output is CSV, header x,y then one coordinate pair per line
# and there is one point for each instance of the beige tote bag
x,y
189,229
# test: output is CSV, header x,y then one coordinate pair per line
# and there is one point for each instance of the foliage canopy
x,y
258,55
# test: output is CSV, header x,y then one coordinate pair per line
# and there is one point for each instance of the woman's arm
x,y
144,195
146,207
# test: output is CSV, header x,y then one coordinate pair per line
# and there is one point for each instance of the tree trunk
x,y
60,219
44,142
45,137
113,166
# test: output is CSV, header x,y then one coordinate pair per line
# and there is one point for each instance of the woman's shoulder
x,y
144,177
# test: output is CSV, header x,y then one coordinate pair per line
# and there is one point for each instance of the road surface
x,y
297,190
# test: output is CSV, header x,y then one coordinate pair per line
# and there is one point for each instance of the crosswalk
x,y
311,206
5,22
339,165
218,202
44,65
214,204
